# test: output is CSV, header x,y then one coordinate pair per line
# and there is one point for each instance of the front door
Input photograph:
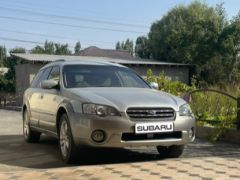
x,y
35,96
50,100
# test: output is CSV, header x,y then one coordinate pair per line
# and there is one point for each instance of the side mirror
x,y
49,84
154,85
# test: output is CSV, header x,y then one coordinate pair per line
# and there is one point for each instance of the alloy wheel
x,y
64,138
26,125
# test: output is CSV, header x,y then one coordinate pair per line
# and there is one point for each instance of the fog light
x,y
191,133
98,136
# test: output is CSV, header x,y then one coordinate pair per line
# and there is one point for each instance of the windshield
x,y
100,76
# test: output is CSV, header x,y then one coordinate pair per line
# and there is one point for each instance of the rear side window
x,y
41,75
55,73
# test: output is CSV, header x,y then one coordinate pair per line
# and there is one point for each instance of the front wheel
x,y
170,151
66,143
28,134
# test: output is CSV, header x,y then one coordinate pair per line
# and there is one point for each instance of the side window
x,y
42,75
36,79
129,81
55,73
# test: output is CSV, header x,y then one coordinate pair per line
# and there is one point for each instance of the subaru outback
x,y
102,104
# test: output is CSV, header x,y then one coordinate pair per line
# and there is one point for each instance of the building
x,y
33,62
111,53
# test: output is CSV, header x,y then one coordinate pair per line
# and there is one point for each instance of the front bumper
x,y
115,128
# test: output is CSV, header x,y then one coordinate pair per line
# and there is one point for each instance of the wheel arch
x,y
64,108
61,110
24,108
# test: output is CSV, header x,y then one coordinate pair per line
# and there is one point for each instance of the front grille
x,y
157,136
151,113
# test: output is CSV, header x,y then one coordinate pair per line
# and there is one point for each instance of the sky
x,y
101,23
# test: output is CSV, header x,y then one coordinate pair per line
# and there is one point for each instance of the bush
x,y
210,108
165,84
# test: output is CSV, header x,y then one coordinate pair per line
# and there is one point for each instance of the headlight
x,y
185,110
100,110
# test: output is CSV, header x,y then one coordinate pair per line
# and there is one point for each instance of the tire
x,y
29,135
68,149
171,151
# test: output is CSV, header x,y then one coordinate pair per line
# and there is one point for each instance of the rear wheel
x,y
28,134
170,151
66,143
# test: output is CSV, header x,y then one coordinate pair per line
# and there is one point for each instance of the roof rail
x,y
58,60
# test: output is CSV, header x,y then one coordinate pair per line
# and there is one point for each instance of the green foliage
x,y
62,49
3,55
210,108
142,48
201,35
222,123
229,44
17,50
165,84
118,45
38,50
49,47
77,48
216,110
185,34
127,45
7,82
52,48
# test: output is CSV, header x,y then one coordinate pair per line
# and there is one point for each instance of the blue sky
x,y
111,20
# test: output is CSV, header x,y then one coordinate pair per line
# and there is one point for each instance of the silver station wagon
x,y
102,104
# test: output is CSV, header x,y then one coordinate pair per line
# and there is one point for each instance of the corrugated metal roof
x,y
50,58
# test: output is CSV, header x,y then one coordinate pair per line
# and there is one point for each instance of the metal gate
x,y
215,107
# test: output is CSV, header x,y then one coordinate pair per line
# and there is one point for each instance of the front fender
x,y
68,107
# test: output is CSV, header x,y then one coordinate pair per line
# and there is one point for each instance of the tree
x,y
118,46
187,34
213,72
17,50
142,47
127,45
62,49
49,47
8,81
229,46
3,55
77,48
38,50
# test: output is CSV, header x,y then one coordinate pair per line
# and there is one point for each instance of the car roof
x,y
62,62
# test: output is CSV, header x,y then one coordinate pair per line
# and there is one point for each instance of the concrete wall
x,y
24,75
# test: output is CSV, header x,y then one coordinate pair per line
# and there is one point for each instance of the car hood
x,y
122,98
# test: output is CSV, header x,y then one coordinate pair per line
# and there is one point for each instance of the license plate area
x,y
143,128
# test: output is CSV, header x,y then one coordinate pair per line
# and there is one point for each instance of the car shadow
x,y
45,154
14,151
